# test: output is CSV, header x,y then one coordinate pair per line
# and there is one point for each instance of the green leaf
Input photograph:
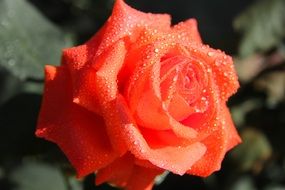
x,y
159,179
28,40
74,184
42,176
253,152
262,25
35,176
244,183
9,86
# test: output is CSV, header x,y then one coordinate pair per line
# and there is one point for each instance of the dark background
x,y
32,34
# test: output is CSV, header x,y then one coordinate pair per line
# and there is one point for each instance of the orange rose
x,y
139,98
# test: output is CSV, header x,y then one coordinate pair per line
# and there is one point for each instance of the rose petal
x,y
176,105
106,67
101,76
76,58
78,132
172,158
106,76
139,88
123,172
144,64
84,90
178,108
187,31
203,122
125,20
151,114
118,172
162,138
85,93
142,178
220,64
175,159
218,143
145,164
183,100
106,84
233,137
183,33
143,92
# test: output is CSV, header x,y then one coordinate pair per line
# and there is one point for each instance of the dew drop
x,y
197,110
218,63
210,54
175,78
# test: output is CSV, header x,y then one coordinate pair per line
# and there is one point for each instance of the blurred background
x,y
33,32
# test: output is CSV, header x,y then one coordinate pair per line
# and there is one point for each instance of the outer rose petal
x,y
78,132
106,83
101,76
118,172
142,178
76,58
215,130
233,137
222,67
218,143
187,31
108,65
125,20
123,172
175,159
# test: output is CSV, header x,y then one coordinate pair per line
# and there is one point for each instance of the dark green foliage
x,y
28,40
262,25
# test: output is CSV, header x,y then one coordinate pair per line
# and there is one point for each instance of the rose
x,y
139,98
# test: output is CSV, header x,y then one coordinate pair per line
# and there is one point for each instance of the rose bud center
x,y
183,81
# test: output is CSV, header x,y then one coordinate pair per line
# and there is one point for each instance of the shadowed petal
x,y
79,133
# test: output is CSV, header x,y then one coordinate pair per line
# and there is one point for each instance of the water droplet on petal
x,y
210,54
